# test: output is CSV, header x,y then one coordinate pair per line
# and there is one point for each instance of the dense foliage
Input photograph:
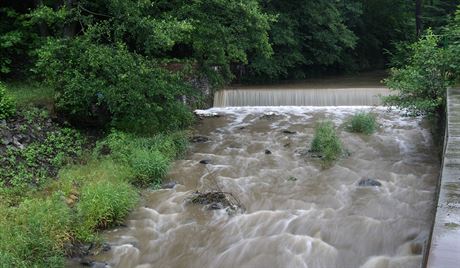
x,y
425,70
217,39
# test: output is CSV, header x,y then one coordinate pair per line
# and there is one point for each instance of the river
x,y
297,213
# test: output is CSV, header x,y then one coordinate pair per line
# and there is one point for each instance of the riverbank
x,y
61,185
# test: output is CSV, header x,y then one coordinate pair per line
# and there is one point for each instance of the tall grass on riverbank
x,y
57,190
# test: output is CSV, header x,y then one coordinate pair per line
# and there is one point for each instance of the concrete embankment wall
x,y
444,245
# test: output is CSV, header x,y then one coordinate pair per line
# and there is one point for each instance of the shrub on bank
x,y
34,233
7,106
107,84
362,123
326,142
103,204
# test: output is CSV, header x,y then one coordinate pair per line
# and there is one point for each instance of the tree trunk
x,y
418,17
70,28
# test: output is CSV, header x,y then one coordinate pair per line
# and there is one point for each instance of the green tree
x,y
420,86
305,35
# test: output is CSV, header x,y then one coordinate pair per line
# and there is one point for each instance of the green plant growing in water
x,y
362,122
326,142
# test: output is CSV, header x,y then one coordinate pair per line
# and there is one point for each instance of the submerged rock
x,y
199,139
216,200
169,185
216,206
206,113
269,116
369,182
106,247
205,161
287,131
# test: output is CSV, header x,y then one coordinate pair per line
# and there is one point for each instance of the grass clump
x,y
34,233
7,105
34,94
149,166
103,204
148,157
326,142
362,122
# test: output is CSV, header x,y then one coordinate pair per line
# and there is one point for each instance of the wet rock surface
x,y
369,182
169,185
205,161
269,116
216,200
199,139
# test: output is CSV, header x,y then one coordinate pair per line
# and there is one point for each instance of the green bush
x,y
101,84
362,123
34,233
326,142
7,106
103,204
420,85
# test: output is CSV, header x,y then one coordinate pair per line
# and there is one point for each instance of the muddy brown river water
x,y
298,214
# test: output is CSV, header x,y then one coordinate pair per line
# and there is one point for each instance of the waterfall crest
x,y
300,97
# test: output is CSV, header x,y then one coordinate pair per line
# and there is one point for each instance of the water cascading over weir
x,y
299,96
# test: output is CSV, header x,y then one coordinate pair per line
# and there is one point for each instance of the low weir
x,y
299,96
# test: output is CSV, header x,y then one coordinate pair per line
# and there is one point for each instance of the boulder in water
x,y
287,131
216,200
369,182
205,161
269,116
268,151
169,185
199,139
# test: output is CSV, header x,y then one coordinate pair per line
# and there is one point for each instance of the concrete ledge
x,y
444,247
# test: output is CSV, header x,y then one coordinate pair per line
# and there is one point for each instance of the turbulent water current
x,y
297,213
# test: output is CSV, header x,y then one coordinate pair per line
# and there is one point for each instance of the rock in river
x,y
205,161
369,182
199,139
168,185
